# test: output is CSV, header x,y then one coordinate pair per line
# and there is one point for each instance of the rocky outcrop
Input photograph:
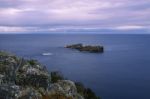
x,y
22,79
32,73
88,48
64,88
87,93
28,79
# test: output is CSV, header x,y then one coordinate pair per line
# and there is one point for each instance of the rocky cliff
x,y
28,79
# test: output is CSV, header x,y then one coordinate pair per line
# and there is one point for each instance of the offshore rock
x,y
88,48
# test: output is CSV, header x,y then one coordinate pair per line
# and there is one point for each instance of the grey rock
x,y
64,87
28,79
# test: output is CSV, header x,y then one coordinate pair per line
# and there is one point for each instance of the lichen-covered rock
x,y
89,48
22,79
8,65
28,79
65,88
17,92
32,75
9,91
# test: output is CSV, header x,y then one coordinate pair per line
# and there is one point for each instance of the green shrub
x,y
55,76
32,62
87,93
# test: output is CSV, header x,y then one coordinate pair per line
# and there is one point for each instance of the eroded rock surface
x,y
64,88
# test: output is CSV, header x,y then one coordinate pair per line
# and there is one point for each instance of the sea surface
x,y
121,72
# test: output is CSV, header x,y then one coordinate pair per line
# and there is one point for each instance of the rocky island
x,y
88,48
28,79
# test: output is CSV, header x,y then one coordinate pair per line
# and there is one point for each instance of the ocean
x,y
121,72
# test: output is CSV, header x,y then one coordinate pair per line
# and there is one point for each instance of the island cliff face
x,y
88,48
28,79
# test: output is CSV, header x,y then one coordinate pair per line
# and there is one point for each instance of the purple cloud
x,y
77,13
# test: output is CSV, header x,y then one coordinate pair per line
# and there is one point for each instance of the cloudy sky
x,y
53,15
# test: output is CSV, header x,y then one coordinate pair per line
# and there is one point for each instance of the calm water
x,y
121,72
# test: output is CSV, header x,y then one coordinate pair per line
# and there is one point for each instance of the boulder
x,y
64,88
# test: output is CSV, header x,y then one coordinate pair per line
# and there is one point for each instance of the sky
x,y
18,16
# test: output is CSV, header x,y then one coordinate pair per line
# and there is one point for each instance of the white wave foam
x,y
47,54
